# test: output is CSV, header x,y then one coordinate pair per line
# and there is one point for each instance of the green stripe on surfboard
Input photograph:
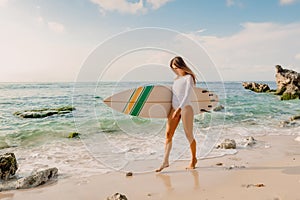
x,y
141,100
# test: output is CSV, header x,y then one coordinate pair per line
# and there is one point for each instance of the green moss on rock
x,y
44,112
280,91
289,96
65,108
74,135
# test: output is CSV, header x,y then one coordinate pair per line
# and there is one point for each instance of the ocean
x,y
113,141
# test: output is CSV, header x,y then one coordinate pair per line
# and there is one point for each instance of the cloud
x,y
156,4
201,30
297,56
48,60
287,2
40,20
127,7
3,3
257,47
122,6
52,25
56,27
230,3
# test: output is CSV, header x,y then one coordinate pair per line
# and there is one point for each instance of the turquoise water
x,y
111,140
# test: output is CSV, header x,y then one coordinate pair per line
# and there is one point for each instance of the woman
x,y
181,109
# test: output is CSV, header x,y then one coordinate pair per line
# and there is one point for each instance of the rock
x,y
297,117
37,178
129,174
288,83
33,180
250,141
8,165
218,108
74,135
117,196
292,122
227,144
235,167
288,96
285,124
256,87
45,112
255,185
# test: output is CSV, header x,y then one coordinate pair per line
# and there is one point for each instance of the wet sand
x,y
270,172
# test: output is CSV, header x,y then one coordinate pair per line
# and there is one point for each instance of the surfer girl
x,y
181,109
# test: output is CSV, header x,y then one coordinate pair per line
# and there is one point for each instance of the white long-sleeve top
x,y
181,89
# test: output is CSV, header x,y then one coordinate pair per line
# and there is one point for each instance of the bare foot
x,y
165,165
192,164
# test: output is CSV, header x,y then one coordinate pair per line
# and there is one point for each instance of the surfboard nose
x,y
108,101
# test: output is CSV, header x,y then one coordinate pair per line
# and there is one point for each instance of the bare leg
x,y
165,164
194,157
188,120
170,130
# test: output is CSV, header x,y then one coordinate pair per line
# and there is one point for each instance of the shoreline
x,y
240,174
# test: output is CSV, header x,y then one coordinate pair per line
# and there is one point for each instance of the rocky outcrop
x,y
41,113
8,165
296,117
227,144
117,196
74,135
292,122
33,180
288,83
219,108
256,87
288,123
249,141
11,181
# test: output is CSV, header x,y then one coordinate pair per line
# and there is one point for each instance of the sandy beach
x,y
270,171
87,88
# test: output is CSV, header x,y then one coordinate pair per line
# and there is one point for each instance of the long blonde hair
x,y
179,63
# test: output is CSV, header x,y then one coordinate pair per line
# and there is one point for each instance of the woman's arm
x,y
189,85
188,88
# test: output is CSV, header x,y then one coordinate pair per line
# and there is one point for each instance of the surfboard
x,y
155,101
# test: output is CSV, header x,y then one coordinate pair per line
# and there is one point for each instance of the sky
x,y
57,40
